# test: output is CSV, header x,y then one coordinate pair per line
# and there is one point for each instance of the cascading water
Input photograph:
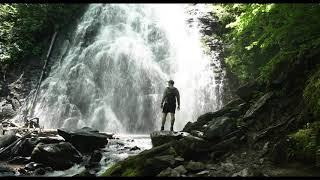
x,y
114,72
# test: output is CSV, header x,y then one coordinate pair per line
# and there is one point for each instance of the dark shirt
x,y
170,95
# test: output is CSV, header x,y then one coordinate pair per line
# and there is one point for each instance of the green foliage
x,y
24,26
131,167
305,143
260,36
130,172
263,41
311,93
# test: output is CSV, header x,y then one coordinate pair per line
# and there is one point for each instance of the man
x,y
169,99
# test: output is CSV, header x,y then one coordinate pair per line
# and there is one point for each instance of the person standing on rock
x,y
168,103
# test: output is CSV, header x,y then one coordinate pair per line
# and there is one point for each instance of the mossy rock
x,y
138,165
305,144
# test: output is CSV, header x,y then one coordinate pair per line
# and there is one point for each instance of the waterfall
x,y
116,67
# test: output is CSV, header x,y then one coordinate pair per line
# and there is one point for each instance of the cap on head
x,y
171,82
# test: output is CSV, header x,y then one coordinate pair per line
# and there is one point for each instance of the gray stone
x,y
166,158
59,156
191,147
207,117
161,137
195,166
181,169
84,139
169,172
257,106
94,160
152,166
220,127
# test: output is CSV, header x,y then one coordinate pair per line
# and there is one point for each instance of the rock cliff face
x,y
15,85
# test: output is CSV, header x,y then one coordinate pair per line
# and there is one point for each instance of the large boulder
x,y
156,164
181,169
198,125
94,160
220,127
161,137
7,139
86,139
231,109
191,147
59,156
23,148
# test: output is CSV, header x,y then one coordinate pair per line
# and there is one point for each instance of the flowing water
x,y
116,150
112,73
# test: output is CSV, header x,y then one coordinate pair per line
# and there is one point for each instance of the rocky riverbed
x,y
65,152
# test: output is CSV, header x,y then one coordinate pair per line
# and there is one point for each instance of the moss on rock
x,y
305,143
135,165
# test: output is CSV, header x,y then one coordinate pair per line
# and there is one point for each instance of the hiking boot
x,y
162,128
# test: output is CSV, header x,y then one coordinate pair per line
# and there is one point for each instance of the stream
x,y
116,150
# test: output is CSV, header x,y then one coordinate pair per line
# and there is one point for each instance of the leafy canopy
x,y
260,36
23,26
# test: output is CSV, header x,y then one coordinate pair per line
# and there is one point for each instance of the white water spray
x,y
113,75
